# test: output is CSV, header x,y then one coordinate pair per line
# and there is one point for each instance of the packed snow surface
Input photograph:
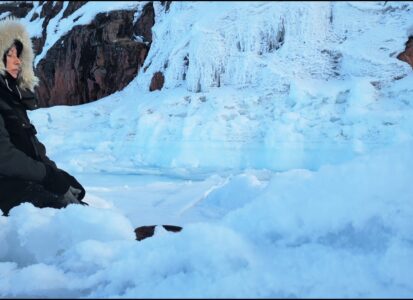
x,y
343,231
281,141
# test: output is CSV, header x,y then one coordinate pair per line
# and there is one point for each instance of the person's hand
x,y
72,196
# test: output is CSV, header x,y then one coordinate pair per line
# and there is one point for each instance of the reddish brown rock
x,y
95,60
38,43
157,81
92,61
407,54
141,28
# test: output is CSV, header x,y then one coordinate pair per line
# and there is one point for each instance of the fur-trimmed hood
x,y
11,30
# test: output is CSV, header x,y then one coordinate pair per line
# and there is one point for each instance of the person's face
x,y
13,63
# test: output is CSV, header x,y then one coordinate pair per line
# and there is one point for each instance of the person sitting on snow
x,y
26,173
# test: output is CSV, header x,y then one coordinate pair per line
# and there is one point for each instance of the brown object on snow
x,y
407,54
144,232
157,81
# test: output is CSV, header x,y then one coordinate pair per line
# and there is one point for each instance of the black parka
x,y
25,174
22,156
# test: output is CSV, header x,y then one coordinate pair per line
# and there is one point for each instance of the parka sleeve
x,y
42,150
15,163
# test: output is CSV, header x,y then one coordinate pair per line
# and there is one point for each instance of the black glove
x,y
74,183
55,181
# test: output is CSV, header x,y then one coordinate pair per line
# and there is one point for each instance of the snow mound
x,y
343,231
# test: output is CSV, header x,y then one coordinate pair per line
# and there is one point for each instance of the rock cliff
x,y
90,61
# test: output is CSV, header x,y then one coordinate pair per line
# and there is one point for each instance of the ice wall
x,y
275,85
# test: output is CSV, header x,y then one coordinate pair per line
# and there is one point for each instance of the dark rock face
x,y
72,7
95,60
157,81
91,61
141,28
18,9
407,54
49,10
167,4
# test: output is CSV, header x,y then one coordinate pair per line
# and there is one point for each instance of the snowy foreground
x,y
289,165
343,231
